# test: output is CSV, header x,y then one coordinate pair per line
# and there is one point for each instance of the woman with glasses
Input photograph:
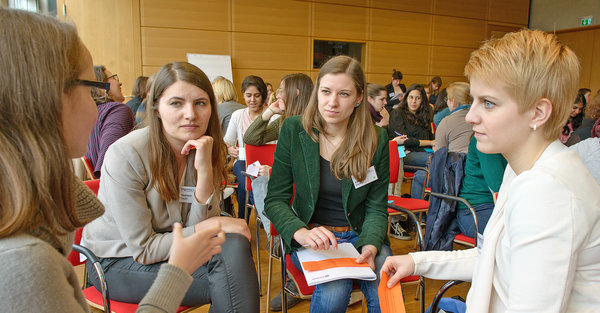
x,y
115,119
41,201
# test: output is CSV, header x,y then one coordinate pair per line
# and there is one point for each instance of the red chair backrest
x,y
263,154
94,185
89,166
394,162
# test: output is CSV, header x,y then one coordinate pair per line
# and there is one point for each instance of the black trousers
x,y
228,281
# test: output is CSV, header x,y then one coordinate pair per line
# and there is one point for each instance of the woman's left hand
x,y
368,255
203,165
264,170
228,225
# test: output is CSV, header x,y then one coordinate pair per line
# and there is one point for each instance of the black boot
x,y
276,303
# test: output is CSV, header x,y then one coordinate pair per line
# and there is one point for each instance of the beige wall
x,y
272,38
586,44
551,15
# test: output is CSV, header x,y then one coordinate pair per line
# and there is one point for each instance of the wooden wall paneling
x,y
449,61
458,32
150,70
277,52
398,26
271,17
447,80
205,14
164,45
383,57
497,31
464,8
107,29
339,22
425,6
313,75
579,42
509,11
386,78
361,3
595,68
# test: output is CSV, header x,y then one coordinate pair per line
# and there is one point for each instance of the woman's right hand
x,y
318,238
400,139
398,267
228,225
189,253
278,107
233,151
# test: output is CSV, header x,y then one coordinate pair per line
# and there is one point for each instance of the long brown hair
x,y
41,58
297,88
354,154
163,164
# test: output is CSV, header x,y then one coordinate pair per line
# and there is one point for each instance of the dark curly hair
x,y
424,115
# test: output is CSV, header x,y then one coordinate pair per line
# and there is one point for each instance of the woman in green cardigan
x,y
336,194
294,92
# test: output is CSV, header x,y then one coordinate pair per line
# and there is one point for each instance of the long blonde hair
x,y
354,154
41,58
163,164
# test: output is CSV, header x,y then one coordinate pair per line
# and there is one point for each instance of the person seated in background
x,y
539,251
138,93
434,87
293,96
269,92
589,149
115,119
376,96
592,113
453,131
574,121
226,100
326,206
140,113
254,91
395,91
45,203
440,107
171,170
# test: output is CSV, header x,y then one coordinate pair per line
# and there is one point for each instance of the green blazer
x,y
296,163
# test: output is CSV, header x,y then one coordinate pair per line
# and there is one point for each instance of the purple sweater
x,y
115,120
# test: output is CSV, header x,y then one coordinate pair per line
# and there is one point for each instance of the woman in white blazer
x,y
540,251
171,171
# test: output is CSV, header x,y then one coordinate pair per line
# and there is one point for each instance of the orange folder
x,y
390,299
331,263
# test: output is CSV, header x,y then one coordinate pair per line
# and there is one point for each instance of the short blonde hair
x,y
532,65
460,93
224,90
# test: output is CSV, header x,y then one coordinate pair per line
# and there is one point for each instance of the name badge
x,y
479,243
186,194
371,177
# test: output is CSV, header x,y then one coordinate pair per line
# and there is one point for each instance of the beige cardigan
x,y
138,222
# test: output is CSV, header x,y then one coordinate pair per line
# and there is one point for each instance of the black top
x,y
390,94
329,209
399,124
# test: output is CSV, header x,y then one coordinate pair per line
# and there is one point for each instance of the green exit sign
x,y
586,21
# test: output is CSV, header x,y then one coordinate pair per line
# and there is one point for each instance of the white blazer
x,y
541,248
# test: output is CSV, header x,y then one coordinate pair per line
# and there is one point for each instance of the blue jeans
x,y
451,305
238,167
334,296
466,224
416,188
259,189
416,158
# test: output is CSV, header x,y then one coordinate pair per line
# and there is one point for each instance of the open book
x,y
321,266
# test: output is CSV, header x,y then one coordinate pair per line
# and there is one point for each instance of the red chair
x,y
263,154
89,167
96,299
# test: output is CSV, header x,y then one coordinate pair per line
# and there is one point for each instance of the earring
x,y
534,127
357,104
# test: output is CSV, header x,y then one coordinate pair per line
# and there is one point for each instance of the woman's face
x,y
337,98
253,99
414,101
79,112
576,109
184,111
435,86
379,102
587,97
396,82
497,123
115,87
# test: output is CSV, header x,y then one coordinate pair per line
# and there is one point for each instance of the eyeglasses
x,y
115,76
95,84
